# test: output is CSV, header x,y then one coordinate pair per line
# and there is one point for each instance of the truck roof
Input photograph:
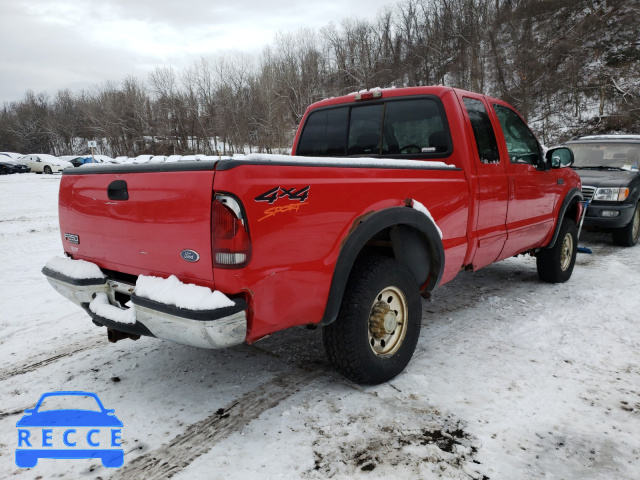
x,y
437,90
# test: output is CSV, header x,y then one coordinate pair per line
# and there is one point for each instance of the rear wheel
x,y
47,170
628,235
378,325
555,264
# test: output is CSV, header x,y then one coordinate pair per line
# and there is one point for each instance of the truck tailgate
x,y
146,224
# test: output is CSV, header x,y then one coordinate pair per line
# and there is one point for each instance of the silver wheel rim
x,y
566,253
388,320
635,230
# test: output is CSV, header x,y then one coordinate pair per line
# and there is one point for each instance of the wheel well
x,y
572,211
406,244
568,209
399,232
379,244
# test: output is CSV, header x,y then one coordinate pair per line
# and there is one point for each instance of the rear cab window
x,y
393,128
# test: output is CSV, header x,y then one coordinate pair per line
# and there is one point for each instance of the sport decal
x,y
273,211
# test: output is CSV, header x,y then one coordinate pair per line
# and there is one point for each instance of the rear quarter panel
x,y
296,243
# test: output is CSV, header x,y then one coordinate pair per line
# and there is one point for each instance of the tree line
x,y
568,66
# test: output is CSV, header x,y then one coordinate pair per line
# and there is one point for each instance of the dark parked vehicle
x,y
609,166
9,166
79,161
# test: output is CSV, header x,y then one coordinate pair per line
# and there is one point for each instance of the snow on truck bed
x,y
346,161
329,161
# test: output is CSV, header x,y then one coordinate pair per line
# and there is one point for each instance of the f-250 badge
x,y
301,194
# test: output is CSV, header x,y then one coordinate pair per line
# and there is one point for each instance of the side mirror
x,y
560,157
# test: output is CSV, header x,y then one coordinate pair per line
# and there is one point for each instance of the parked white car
x,y
44,163
11,155
142,159
104,158
191,158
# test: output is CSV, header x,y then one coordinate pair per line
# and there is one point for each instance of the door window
x,y
521,143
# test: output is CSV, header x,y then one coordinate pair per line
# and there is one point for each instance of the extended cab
x,y
387,195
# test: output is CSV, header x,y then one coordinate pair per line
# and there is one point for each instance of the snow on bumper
x,y
219,327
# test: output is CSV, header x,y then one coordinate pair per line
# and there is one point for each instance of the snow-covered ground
x,y
512,378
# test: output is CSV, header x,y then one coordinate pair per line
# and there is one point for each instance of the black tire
x,y
373,338
47,170
555,264
628,235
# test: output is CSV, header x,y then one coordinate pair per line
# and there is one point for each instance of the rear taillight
x,y
230,245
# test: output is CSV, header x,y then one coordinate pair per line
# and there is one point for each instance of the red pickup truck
x,y
387,194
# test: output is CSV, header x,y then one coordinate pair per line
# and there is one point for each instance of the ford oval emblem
x,y
190,255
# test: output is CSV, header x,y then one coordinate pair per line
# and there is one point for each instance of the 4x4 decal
x,y
301,194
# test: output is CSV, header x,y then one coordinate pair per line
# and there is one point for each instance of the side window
x,y
482,131
325,133
521,143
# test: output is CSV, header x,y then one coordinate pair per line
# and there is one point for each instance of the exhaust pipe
x,y
116,335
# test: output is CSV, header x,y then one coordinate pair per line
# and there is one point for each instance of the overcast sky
x,y
47,45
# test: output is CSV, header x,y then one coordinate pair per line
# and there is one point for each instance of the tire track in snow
x,y
200,437
15,412
13,371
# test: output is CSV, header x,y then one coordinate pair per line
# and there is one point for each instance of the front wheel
x,y
378,325
555,264
47,170
628,235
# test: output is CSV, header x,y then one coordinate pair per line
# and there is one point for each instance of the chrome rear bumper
x,y
219,328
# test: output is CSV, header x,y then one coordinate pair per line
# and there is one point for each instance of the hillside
x,y
570,67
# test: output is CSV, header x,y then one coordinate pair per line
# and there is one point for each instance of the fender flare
x,y
363,232
566,203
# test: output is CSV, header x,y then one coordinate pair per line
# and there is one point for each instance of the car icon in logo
x,y
90,431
